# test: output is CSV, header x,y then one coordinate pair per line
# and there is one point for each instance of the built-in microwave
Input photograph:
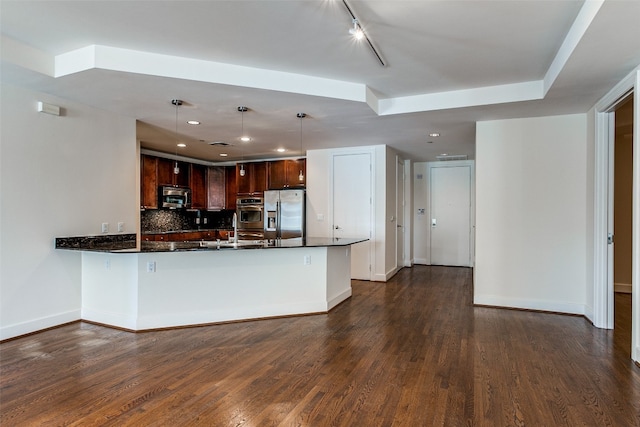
x,y
174,197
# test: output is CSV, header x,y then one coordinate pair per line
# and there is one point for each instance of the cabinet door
x,y
166,175
216,186
148,182
165,172
230,187
294,168
259,177
277,174
198,186
254,180
243,182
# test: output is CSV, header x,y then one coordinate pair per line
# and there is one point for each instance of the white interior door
x,y
450,206
400,204
352,207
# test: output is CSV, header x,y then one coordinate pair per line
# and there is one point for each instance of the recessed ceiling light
x,y
182,145
281,150
223,154
193,122
434,134
245,139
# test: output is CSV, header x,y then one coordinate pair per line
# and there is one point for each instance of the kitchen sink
x,y
214,244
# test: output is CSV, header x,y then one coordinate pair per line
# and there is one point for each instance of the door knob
x,y
337,227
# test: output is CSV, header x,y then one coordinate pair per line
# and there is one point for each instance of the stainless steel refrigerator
x,y
284,214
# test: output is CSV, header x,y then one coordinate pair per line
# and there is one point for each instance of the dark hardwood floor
x,y
411,352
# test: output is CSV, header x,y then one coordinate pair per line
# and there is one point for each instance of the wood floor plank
x,y
410,352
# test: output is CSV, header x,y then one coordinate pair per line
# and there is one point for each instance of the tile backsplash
x,y
163,220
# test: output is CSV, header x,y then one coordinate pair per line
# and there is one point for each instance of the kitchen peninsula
x,y
171,284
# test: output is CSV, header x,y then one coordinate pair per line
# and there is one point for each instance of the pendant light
x,y
301,116
176,168
243,138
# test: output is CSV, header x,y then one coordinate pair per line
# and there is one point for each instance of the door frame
x,y
400,216
604,134
372,213
472,201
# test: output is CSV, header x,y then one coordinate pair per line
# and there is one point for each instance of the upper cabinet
x,y
198,184
231,190
216,188
167,174
286,174
212,187
254,179
148,182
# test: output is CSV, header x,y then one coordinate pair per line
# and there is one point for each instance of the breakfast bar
x,y
174,284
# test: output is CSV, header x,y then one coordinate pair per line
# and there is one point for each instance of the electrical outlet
x,y
120,227
107,264
151,267
105,227
307,260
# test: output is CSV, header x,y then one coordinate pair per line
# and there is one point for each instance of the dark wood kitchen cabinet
x,y
286,174
216,188
198,184
148,182
254,180
167,176
231,189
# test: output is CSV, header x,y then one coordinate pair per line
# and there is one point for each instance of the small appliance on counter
x,y
284,214
174,197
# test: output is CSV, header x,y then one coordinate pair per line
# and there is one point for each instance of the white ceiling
x,y
449,64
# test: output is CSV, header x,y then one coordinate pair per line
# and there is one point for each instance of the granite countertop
x,y
124,244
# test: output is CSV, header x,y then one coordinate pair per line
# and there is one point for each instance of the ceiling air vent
x,y
447,157
220,143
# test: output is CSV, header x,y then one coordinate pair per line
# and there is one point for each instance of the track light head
x,y
356,31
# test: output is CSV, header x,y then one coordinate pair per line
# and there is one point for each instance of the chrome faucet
x,y
235,228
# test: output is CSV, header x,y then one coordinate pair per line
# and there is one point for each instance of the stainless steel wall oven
x,y
250,212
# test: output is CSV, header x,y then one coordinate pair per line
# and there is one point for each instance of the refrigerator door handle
x,y
278,217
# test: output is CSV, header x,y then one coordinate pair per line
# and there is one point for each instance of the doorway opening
x,y
603,219
623,222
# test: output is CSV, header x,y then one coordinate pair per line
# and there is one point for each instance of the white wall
x,y
59,176
531,213
319,170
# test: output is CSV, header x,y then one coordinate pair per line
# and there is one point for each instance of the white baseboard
x,y
190,318
552,306
119,320
421,261
36,325
339,298
622,287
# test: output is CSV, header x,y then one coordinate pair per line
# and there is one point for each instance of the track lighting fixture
x,y
356,31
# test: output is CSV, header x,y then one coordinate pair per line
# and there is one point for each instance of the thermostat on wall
x,y
48,108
